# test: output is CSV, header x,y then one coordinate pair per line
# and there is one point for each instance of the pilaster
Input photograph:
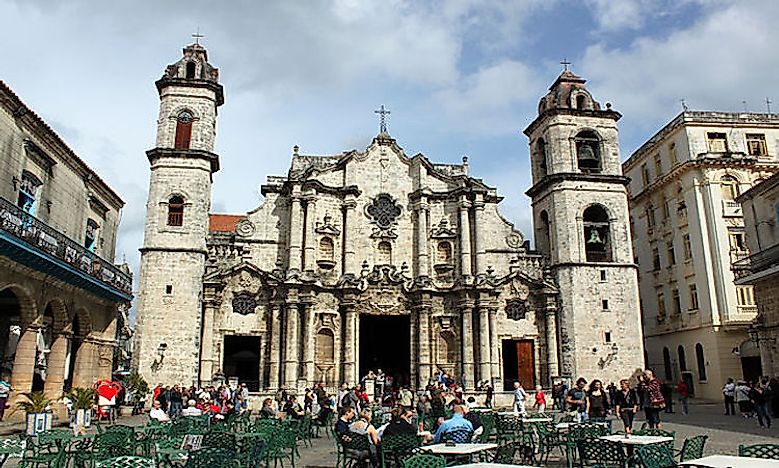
x,y
485,369
350,343
422,244
275,346
479,240
291,343
350,258
468,372
295,230
465,238
309,254
308,340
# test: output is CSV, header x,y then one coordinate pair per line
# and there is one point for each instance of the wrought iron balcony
x,y
756,262
22,231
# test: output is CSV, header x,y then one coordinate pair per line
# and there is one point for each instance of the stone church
x,y
375,258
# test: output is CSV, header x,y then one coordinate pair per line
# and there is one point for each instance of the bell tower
x,y
580,217
173,255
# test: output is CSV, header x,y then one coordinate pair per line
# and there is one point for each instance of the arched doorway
x,y
751,364
10,331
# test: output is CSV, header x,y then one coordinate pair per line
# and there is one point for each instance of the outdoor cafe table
x,y
458,449
634,440
492,465
564,426
728,461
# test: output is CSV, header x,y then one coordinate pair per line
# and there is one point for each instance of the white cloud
x,y
615,15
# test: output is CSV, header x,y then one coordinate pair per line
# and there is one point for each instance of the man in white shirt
x,y
519,399
191,409
157,413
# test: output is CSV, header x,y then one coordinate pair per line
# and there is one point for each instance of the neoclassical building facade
x,y
378,259
61,297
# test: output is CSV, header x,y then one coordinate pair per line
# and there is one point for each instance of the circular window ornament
x,y
244,303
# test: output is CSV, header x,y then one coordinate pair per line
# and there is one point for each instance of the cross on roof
x,y
197,36
565,64
383,113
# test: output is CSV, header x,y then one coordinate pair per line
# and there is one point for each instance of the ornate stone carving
x,y
327,227
443,230
245,228
384,212
516,309
515,240
244,303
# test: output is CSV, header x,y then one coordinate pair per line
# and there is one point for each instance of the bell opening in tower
x,y
241,360
385,343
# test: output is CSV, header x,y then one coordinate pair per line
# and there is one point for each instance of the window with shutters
x,y
658,165
694,297
175,211
645,174
677,302
90,237
671,254
756,144
183,129
28,193
661,312
656,259
687,247
730,188
718,142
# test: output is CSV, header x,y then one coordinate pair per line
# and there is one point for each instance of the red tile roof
x,y
223,222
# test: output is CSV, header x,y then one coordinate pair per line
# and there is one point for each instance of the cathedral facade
x,y
379,259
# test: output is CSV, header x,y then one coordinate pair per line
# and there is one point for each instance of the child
x,y
540,399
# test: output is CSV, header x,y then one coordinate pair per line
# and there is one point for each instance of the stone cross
x,y
565,64
197,36
383,113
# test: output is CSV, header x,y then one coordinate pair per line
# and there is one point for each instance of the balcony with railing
x,y
30,241
756,263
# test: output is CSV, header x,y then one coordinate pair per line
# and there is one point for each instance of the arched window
x,y
28,193
324,343
701,361
175,211
545,238
588,152
444,253
90,238
183,129
581,101
730,188
682,358
384,253
667,364
326,249
190,70
597,236
542,162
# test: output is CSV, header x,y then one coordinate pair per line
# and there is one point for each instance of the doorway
x,y
385,343
519,364
242,360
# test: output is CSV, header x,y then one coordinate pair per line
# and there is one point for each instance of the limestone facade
x,y
761,268
60,293
376,248
688,229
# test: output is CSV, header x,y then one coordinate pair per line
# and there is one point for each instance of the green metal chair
x,y
600,453
252,450
425,461
582,431
505,454
548,440
223,440
648,431
692,448
39,453
357,449
508,428
397,447
211,457
655,456
765,451
127,462
111,444
12,446
488,423
282,445
458,435
319,424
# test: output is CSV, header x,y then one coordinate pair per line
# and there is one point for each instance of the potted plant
x,y
82,400
139,389
38,412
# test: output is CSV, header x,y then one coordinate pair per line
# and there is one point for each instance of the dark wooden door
x,y
526,363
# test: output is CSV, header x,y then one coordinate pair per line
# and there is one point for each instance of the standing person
x,y
761,396
667,391
380,381
540,399
519,399
597,402
612,390
576,399
339,397
490,392
684,396
406,399
742,397
728,391
626,403
655,401
5,392
176,401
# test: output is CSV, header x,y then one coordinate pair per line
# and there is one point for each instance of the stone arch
x,y
28,309
580,99
588,150
82,323
447,347
597,233
544,242
176,112
60,318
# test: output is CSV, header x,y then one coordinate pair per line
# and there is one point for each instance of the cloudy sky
x,y
460,77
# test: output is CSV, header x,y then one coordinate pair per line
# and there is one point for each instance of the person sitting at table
x,y
268,411
324,411
475,421
293,408
157,413
191,409
363,426
456,422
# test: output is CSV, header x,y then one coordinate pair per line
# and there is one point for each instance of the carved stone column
x,y
423,351
551,340
495,348
209,363
84,367
350,257
468,371
24,360
275,346
308,342
291,355
295,230
485,369
309,260
57,360
465,239
479,244
350,343
422,244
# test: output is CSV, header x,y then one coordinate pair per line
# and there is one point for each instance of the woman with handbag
x,y
655,399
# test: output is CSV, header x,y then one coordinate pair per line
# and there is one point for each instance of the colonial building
x,y
379,259
687,230
761,268
60,293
